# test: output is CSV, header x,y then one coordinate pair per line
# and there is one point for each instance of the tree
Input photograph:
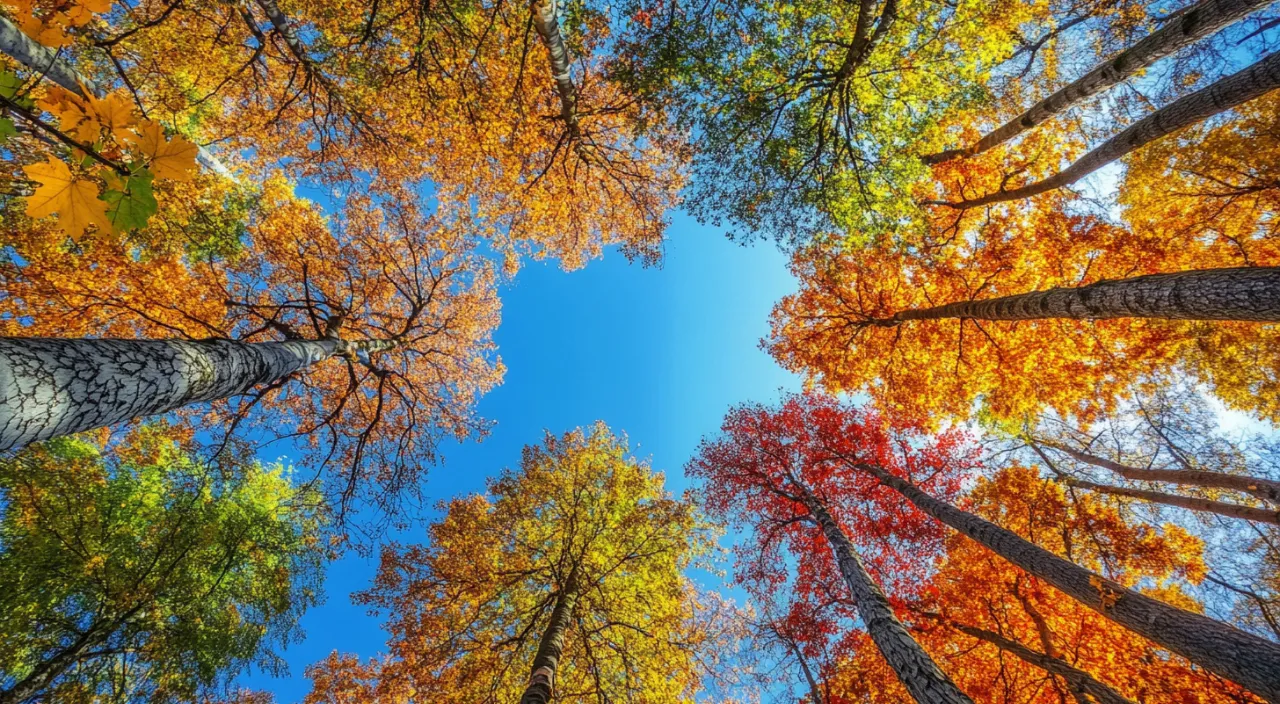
x,y
1007,636
1248,84
766,472
565,580
1188,26
148,572
811,116
932,330
413,289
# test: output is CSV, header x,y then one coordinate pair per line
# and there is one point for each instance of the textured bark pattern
x,y
864,40
46,62
1080,682
1223,508
1246,293
915,669
1238,656
546,21
1189,27
1238,88
51,387
1264,489
542,680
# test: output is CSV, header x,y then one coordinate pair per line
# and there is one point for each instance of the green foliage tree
x,y
145,573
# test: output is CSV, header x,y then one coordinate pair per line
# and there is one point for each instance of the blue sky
x,y
658,353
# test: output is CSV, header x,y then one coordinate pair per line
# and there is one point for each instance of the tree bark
x,y
47,62
1234,654
50,669
1248,513
542,679
55,386
1080,682
1264,489
1245,293
1191,25
1239,88
915,669
546,20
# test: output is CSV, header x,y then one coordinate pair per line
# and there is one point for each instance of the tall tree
x,y
1190,25
415,290
148,573
763,473
564,581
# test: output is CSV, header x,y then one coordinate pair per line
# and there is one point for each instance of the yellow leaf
x,y
113,112
175,158
74,200
96,6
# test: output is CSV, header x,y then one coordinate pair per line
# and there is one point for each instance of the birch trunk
x,y
1264,489
542,679
1238,88
546,20
1245,293
1222,508
48,63
55,386
1234,654
1190,26
915,669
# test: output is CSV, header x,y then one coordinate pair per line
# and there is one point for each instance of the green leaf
x,y
10,84
131,201
7,129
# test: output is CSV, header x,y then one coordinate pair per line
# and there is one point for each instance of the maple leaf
x,y
74,200
174,159
131,202
114,112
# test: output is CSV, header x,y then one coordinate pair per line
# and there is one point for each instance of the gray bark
x,y
1238,88
1264,489
541,685
1080,682
546,20
54,386
1245,293
915,669
1222,649
1222,508
1191,25
48,63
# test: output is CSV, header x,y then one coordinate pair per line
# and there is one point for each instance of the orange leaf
x,y
74,200
175,158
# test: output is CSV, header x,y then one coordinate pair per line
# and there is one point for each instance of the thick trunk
x,y
1264,489
546,20
542,678
1248,513
864,40
47,62
1078,680
1239,88
54,386
1246,293
1190,26
1217,647
915,669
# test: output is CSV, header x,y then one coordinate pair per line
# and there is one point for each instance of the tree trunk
x,y
1239,88
1223,508
1246,293
915,669
1238,656
47,62
1080,682
1264,489
50,669
546,20
1190,26
55,386
542,678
